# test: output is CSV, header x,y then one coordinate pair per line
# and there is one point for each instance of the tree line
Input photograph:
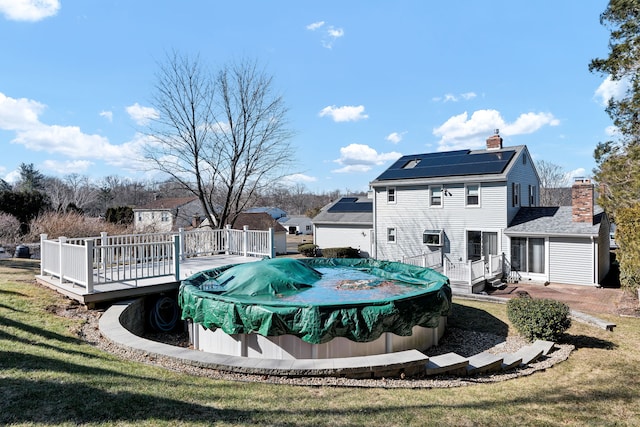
x,y
112,198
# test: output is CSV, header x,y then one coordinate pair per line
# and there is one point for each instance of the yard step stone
x,y
447,363
546,346
484,362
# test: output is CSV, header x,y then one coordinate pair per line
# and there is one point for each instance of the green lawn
x,y
48,376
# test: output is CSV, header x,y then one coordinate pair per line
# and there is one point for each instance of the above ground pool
x,y
315,300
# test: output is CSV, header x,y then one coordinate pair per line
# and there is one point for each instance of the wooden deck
x,y
127,289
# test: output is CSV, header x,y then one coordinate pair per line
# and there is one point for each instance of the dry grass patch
x,y
49,376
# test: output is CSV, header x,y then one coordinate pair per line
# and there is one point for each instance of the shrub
x,y
341,253
9,228
308,249
71,224
544,319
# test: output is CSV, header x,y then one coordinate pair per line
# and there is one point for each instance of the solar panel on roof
x,y
451,163
351,204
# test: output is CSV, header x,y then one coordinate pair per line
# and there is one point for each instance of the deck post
x,y
43,237
272,244
104,242
61,241
469,264
182,244
88,254
245,240
227,235
176,257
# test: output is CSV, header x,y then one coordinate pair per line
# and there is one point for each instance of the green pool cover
x,y
268,297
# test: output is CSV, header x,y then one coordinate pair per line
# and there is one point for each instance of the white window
x,y
165,217
432,237
515,194
391,235
473,195
436,196
139,216
391,195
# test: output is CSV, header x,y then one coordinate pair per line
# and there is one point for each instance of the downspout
x,y
375,226
596,262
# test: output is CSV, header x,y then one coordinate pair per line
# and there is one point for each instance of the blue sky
x,y
364,81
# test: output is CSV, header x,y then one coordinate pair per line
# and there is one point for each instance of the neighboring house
x,y
297,224
471,204
263,221
348,222
275,213
165,215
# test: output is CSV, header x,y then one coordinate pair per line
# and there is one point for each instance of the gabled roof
x,y
273,211
491,164
347,210
166,204
552,221
257,221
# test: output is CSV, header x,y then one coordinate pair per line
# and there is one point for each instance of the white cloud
x,y
64,167
361,158
142,115
335,32
314,26
462,131
395,137
107,114
329,35
576,173
28,10
18,114
22,117
450,97
297,178
609,88
346,113
12,177
612,131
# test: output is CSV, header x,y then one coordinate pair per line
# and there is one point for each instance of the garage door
x,y
570,260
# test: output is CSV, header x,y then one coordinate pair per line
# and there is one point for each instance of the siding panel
x,y
567,260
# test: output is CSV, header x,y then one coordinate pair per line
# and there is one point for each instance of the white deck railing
x,y
107,259
472,272
426,260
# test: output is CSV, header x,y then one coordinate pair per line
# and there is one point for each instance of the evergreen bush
x,y
347,252
543,319
308,249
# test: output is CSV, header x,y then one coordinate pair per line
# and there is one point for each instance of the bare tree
x,y
553,183
222,136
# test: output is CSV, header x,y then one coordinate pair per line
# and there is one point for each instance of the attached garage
x,y
571,260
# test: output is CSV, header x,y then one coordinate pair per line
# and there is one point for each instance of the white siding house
x,y
469,204
165,215
346,222
297,224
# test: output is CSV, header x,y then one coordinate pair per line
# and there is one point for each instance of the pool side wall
x,y
287,347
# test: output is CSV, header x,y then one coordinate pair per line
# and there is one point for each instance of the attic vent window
x,y
411,164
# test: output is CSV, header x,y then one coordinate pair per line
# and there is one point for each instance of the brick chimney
x,y
494,142
582,201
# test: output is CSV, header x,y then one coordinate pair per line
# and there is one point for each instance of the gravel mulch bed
x,y
463,342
